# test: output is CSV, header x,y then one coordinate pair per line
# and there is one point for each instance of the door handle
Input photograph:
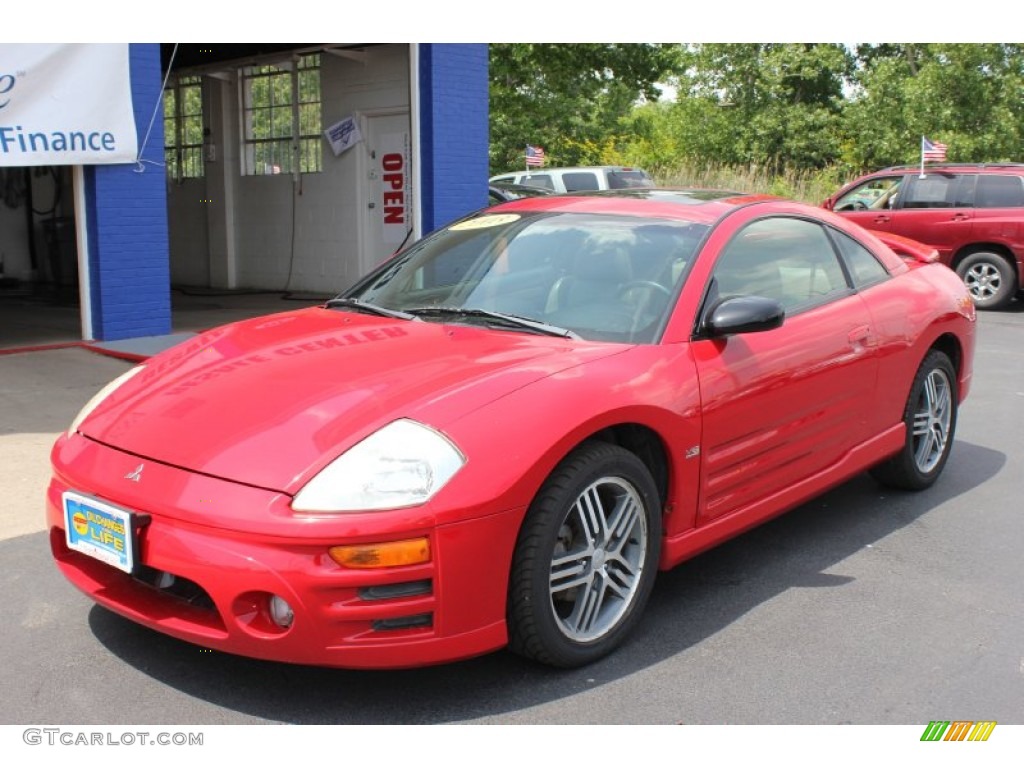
x,y
860,337
960,217
881,219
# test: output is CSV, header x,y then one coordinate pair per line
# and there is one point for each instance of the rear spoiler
x,y
907,248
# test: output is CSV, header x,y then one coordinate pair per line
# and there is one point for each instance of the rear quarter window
x,y
629,179
995,191
862,265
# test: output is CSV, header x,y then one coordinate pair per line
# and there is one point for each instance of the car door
x,y
870,204
936,209
782,405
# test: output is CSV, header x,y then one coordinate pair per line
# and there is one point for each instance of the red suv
x,y
972,214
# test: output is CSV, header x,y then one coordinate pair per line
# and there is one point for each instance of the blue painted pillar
x,y
126,209
453,131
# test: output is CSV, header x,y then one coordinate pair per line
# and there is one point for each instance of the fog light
x,y
280,612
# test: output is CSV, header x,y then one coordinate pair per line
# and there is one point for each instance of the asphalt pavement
x,y
864,606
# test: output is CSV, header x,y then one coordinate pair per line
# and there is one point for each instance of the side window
x,y
786,259
940,191
542,180
999,192
580,180
629,180
864,268
876,194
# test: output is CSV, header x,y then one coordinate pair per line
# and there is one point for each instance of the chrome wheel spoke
x,y
590,509
624,520
587,610
569,572
596,568
621,577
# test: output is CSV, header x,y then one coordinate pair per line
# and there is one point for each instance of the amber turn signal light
x,y
384,555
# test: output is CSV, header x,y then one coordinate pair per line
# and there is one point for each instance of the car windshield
x,y
598,277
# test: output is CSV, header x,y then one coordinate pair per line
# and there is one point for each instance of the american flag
x,y
932,151
534,155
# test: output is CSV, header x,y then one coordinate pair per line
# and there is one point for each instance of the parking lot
x,y
864,606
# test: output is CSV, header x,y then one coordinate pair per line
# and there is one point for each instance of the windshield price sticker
x,y
483,222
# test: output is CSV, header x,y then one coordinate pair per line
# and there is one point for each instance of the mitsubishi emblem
x,y
136,474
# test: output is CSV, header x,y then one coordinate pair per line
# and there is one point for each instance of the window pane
x,y
580,181
538,180
935,191
789,260
875,194
183,128
272,131
1000,192
863,266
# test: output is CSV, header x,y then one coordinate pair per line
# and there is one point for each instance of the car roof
x,y
977,167
561,169
703,205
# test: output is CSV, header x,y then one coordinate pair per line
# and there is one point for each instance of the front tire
x,y
930,419
586,558
990,278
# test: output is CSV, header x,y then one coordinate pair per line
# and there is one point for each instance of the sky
x,y
523,21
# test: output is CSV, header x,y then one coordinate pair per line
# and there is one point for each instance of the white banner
x,y
343,135
66,105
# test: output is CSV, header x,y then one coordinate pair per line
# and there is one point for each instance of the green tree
x,y
773,104
968,96
569,98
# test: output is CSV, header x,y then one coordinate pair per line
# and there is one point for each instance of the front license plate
x,y
99,530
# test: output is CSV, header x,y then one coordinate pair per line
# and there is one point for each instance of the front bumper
x,y
450,608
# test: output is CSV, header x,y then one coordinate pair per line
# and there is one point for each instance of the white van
x,y
578,179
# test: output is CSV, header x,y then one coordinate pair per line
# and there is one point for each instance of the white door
x,y
386,196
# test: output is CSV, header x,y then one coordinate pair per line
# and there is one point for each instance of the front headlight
x,y
400,465
102,395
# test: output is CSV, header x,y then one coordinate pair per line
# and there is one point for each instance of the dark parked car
x,y
503,193
972,214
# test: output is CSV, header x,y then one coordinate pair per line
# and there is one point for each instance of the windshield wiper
x,y
500,318
373,309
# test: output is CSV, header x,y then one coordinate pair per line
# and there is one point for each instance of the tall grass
x,y
809,186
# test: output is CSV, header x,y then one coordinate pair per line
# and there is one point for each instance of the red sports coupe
x,y
501,435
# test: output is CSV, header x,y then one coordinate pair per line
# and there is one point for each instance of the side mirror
x,y
743,314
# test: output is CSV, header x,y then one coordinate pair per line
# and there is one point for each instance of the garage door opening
x,y
39,281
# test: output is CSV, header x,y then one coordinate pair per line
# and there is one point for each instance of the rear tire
x,y
586,558
989,277
930,419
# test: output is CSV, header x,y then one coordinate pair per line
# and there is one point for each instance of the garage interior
x,y
246,236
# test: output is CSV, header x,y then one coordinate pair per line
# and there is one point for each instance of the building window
x,y
281,115
183,128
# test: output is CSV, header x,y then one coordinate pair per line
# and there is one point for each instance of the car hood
x,y
268,402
